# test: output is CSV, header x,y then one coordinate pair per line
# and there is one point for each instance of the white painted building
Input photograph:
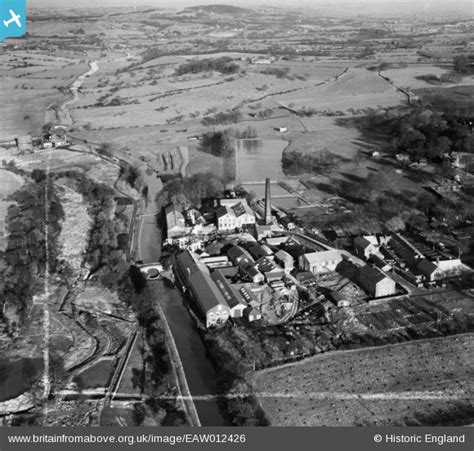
x,y
321,262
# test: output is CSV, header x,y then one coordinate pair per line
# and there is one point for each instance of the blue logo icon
x,y
12,18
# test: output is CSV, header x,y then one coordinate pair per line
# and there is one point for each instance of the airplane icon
x,y
14,19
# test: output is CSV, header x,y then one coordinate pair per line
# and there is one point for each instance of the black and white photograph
x,y
237,214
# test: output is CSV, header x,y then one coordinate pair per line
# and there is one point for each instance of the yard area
x,y
426,382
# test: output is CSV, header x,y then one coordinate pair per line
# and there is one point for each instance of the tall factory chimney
x,y
268,202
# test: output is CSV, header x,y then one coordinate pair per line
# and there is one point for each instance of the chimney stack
x,y
268,202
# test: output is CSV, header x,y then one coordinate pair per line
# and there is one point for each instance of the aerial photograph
x,y
237,213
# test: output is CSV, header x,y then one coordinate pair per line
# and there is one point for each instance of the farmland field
x,y
355,89
406,77
421,382
31,83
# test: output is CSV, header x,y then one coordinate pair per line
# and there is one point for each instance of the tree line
x,y
27,250
224,65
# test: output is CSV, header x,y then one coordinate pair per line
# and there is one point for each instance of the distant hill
x,y
219,9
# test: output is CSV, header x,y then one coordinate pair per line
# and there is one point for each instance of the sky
x,y
181,3
377,8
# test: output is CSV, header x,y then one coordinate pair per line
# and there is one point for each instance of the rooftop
x,y
206,292
230,295
283,255
174,217
324,256
427,267
372,274
362,242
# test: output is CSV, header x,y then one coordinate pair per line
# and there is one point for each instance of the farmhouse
x,y
320,262
441,268
375,282
56,137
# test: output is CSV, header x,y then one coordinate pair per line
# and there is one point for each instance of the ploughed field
x,y
425,382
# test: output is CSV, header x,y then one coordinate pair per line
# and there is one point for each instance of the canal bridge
x,y
151,270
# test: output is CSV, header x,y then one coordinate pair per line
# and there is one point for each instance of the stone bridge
x,y
151,270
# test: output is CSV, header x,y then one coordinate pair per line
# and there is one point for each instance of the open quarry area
x,y
217,215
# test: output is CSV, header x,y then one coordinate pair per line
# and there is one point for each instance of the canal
x,y
200,373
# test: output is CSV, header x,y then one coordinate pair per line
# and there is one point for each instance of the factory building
x,y
231,216
208,299
375,282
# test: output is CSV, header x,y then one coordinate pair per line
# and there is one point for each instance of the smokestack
x,y
268,202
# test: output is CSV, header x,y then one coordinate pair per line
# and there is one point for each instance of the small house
x,y
252,314
364,247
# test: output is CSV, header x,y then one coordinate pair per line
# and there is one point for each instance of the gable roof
x,y
223,211
372,274
206,292
237,253
324,256
427,267
362,242
284,256
241,208
174,218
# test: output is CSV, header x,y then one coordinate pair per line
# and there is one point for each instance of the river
x,y
64,111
